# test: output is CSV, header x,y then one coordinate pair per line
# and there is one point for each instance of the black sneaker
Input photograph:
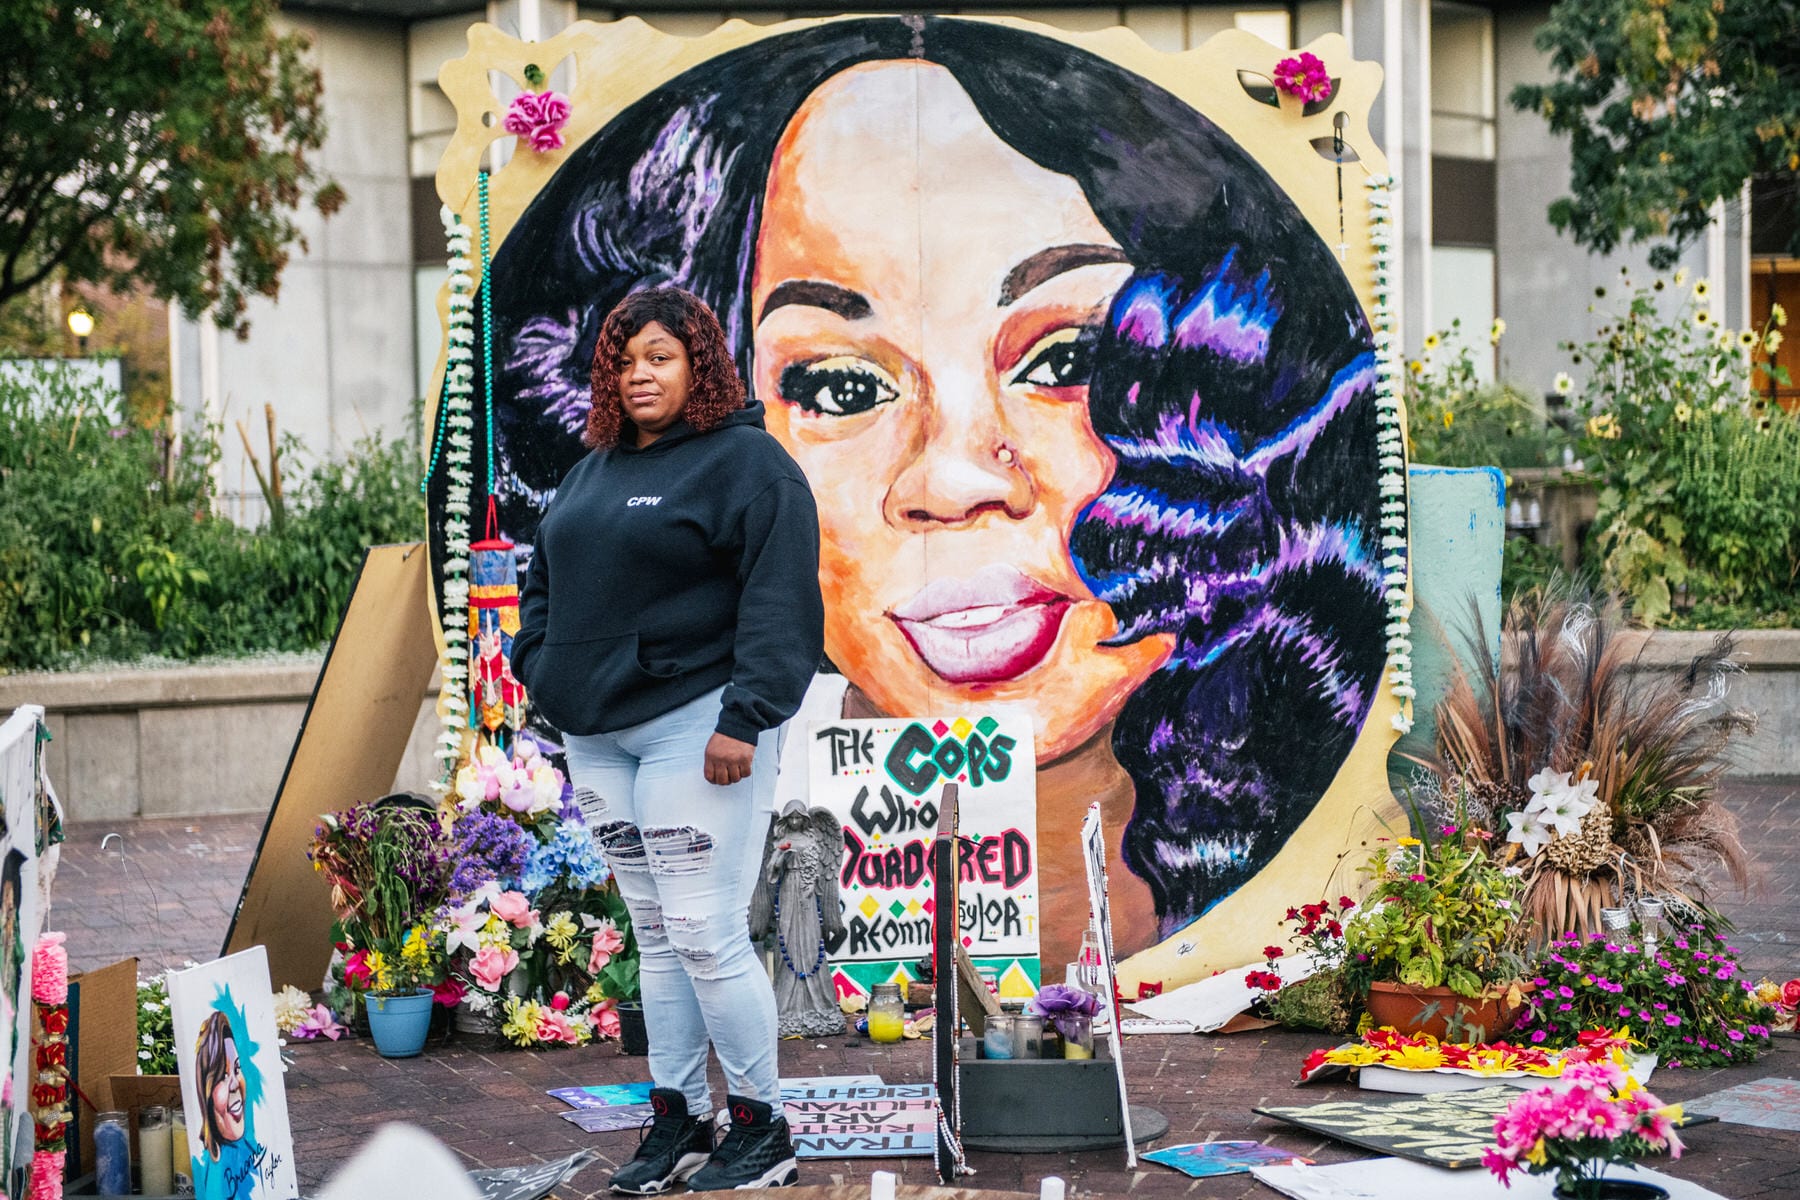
x,y
756,1152
675,1146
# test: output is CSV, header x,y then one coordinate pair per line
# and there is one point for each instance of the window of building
x,y
1462,81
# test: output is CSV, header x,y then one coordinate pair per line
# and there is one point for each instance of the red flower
x,y
1346,903
1334,929
449,993
1271,952
1314,1061
1790,994
1303,76
56,1020
356,970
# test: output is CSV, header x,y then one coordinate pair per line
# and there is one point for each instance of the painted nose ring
x,y
1005,455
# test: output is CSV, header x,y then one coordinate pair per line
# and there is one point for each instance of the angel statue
x,y
796,899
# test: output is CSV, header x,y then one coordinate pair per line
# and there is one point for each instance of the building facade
x,y
348,348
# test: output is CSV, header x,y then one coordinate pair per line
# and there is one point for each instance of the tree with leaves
x,y
1669,105
158,143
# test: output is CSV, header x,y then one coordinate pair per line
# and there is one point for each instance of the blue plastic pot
x,y
399,1023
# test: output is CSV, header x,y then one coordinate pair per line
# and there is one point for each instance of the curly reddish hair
x,y
717,390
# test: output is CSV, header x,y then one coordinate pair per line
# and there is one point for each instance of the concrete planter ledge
x,y
183,741
215,739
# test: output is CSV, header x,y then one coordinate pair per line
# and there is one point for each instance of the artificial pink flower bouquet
x,y
1598,1116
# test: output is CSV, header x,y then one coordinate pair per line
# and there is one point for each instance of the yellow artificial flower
x,y
494,932
1564,384
1536,1156
381,970
415,951
1448,417
1772,342
1497,330
521,1023
1683,412
1359,1055
1407,841
1415,1058
1432,342
595,993
561,931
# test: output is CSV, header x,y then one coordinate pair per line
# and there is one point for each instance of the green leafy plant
x,y
156,1029
1454,419
1699,476
1688,1003
1442,913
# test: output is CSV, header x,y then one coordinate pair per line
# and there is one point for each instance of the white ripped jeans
x,y
686,853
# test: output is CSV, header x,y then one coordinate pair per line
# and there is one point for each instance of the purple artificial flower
x,y
1304,77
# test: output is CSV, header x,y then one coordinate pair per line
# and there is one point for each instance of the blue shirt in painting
x,y
233,1176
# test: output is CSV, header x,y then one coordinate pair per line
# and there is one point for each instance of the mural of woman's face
x,y
926,301
227,1097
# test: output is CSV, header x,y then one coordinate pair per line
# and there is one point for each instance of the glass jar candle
x,y
1650,911
1078,1036
997,1037
1028,1036
112,1155
180,1161
1615,920
887,1014
156,1175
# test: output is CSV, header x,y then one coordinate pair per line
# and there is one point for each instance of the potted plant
x,y
1598,1116
1435,945
390,875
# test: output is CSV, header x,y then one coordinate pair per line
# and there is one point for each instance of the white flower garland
x,y
1391,445
459,424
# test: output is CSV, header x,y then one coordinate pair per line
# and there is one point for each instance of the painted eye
x,y
1064,359
837,387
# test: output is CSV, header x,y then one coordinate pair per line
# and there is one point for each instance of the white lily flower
x,y
1544,785
1528,831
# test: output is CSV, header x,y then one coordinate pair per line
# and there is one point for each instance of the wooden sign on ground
x,y
351,741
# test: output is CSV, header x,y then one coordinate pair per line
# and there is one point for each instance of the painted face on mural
x,y
926,310
227,1097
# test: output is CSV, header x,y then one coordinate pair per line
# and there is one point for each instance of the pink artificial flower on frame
x,y
538,118
513,908
1304,77
492,964
608,941
553,1025
605,1018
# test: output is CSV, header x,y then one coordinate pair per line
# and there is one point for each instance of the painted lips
x,y
995,625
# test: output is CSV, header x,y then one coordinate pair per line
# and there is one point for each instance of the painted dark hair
x,y
1233,385
716,393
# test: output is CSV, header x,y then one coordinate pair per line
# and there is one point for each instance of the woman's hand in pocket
x,y
728,760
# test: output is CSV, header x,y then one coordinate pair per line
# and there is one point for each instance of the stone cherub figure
x,y
796,899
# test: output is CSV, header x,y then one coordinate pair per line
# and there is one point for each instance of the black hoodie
x,y
660,573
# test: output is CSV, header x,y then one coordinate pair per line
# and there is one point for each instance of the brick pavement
x,y
171,898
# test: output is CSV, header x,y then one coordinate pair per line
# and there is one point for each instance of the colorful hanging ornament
x,y
496,698
50,1065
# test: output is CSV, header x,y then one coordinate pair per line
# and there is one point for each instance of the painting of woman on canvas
x,y
230,1167
1086,403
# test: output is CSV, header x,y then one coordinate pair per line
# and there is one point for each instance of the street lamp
x,y
81,324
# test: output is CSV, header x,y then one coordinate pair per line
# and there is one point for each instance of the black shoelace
x,y
737,1143
660,1133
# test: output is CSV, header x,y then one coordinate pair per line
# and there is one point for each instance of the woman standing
x,y
670,623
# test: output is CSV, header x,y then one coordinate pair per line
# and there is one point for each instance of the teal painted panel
x,y
1457,518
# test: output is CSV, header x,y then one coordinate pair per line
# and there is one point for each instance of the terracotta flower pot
x,y
1428,1010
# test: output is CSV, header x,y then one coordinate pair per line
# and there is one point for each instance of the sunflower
x,y
1746,339
1497,330
1772,342
1432,342
1683,412
1702,289
1702,318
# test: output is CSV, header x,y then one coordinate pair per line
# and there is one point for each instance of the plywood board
x,y
350,744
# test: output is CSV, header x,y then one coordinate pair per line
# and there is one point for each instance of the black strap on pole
x,y
944,942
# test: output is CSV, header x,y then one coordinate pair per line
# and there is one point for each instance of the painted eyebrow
x,y
852,306
1048,263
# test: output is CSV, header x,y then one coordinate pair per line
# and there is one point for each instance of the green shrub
x,y
110,549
